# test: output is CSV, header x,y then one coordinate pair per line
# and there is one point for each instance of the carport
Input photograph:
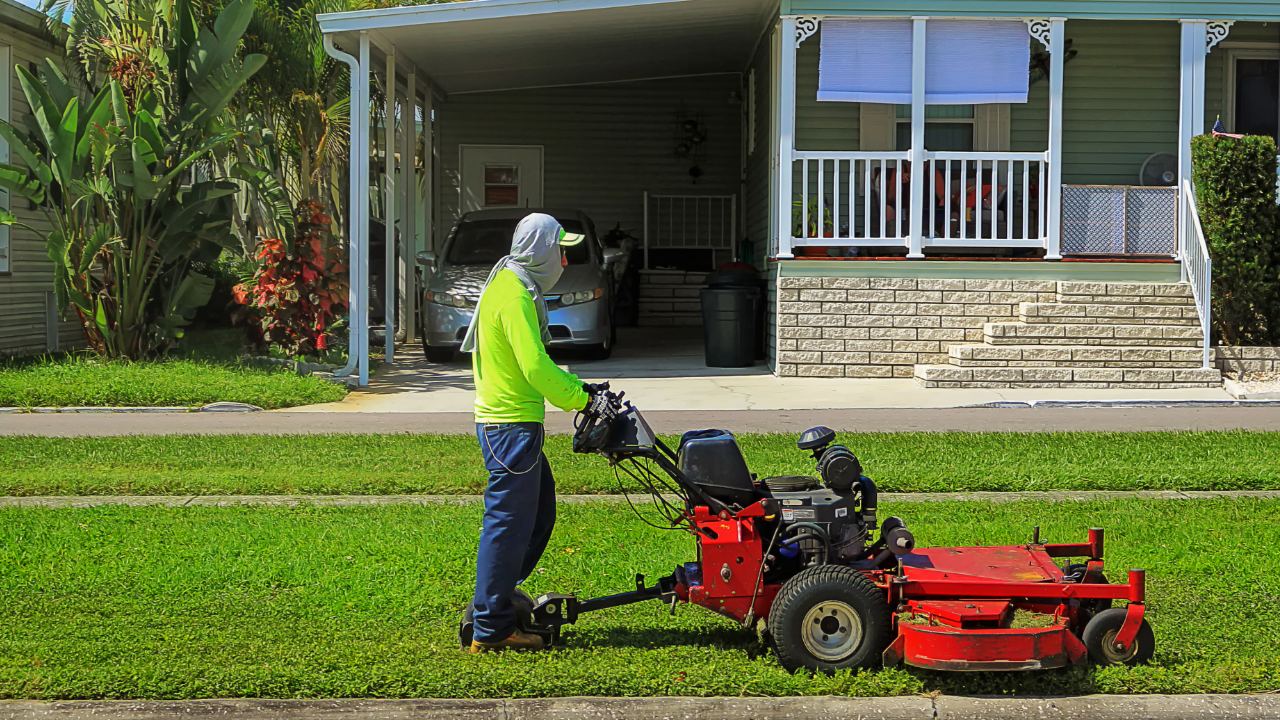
x,y
486,69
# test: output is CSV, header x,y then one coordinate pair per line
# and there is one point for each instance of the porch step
x,y
1073,356
1100,314
1111,335
950,376
1125,293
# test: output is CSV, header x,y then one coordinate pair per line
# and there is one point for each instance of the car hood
x,y
468,280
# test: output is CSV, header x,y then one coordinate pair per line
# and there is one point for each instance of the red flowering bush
x,y
299,290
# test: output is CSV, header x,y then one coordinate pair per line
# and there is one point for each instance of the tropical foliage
x,y
299,288
126,180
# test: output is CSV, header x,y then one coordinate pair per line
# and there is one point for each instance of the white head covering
x,y
535,259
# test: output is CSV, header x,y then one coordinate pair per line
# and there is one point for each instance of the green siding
x,y
603,145
1102,9
829,126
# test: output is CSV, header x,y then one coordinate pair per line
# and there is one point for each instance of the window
x,y
501,185
946,128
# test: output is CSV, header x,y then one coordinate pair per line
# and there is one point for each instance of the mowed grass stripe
x,y
362,602
450,464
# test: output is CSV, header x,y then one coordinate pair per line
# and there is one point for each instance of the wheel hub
x,y
1114,651
831,631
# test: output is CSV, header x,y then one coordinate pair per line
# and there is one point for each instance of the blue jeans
x,y
519,514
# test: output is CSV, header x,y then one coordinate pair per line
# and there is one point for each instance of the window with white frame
x,y
948,128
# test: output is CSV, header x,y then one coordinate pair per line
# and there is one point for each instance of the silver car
x,y
580,306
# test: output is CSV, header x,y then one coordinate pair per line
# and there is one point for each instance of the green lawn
x,y
395,464
205,369
361,602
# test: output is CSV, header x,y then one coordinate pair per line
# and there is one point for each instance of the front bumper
x,y
584,324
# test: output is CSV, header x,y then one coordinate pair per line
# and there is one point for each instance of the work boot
x,y
518,641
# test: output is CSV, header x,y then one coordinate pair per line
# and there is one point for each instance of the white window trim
x,y
1253,51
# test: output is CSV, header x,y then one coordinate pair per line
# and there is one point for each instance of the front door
x,y
501,176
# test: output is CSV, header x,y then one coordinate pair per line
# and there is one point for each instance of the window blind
x,y
967,62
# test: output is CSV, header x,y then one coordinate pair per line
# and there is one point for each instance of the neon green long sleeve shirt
x,y
512,371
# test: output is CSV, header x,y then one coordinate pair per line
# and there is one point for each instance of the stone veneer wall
x,y
883,327
1248,359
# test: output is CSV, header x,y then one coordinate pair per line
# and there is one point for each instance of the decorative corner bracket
x,y
1216,32
805,28
1039,29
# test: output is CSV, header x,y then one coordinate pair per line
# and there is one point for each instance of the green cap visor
x,y
569,239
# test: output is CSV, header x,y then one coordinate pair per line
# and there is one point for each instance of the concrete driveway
x,y
663,369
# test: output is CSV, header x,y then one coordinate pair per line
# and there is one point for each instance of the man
x,y
513,376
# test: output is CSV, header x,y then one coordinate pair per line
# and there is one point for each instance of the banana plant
x,y
125,184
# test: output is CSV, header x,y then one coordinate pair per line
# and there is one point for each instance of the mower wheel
x,y
1093,606
829,618
1099,639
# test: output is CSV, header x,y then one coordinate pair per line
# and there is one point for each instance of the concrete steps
x,y
942,376
1020,333
670,297
1107,314
1098,335
1073,356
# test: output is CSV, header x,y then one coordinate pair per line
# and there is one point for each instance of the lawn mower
x,y
803,556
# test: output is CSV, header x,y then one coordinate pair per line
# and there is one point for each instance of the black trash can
x,y
730,311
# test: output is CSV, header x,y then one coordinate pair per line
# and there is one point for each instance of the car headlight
x,y
458,301
581,297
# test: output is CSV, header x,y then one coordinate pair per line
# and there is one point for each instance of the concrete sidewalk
x,y
89,501
1015,419
940,707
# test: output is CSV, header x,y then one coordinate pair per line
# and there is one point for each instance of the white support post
x,y
1057,42
353,201
1191,105
428,178
918,203
389,206
786,135
360,233
408,179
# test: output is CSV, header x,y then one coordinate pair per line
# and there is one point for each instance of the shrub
x,y
1235,183
297,293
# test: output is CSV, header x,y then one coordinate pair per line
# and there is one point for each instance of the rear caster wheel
x,y
829,618
1100,639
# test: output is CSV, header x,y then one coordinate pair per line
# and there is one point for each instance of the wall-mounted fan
x,y
1159,170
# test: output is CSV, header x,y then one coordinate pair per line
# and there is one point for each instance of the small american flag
x,y
1221,131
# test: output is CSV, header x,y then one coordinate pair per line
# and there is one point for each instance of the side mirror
x,y
612,255
428,258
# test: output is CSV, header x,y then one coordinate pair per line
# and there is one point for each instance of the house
x,y
1059,245
28,309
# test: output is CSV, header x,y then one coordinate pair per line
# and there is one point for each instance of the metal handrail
x,y
1196,264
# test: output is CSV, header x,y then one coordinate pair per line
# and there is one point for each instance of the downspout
x,y
353,212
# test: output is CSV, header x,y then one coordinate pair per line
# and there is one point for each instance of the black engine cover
x,y
835,512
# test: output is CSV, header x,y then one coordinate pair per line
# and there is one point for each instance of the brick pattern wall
x,y
883,327
671,297
1248,359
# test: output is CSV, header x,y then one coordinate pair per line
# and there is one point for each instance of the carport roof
x,y
485,45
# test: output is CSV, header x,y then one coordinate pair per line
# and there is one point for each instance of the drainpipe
x,y
354,213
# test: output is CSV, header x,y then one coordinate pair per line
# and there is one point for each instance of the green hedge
x,y
1235,182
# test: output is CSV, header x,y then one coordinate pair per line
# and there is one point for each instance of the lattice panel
x,y
1119,220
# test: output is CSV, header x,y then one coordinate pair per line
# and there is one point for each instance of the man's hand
x,y
594,389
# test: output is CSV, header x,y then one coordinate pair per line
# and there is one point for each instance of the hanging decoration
x,y
690,141
1038,68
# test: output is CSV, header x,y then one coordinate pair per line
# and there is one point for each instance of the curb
x,y
1238,392
941,707
174,501
89,410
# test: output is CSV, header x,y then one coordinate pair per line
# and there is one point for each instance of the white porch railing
x,y
979,199
1197,268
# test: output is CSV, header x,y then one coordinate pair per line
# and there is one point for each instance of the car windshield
x,y
485,242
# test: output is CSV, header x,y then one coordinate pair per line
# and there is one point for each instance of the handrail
x,y
1197,264
957,155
